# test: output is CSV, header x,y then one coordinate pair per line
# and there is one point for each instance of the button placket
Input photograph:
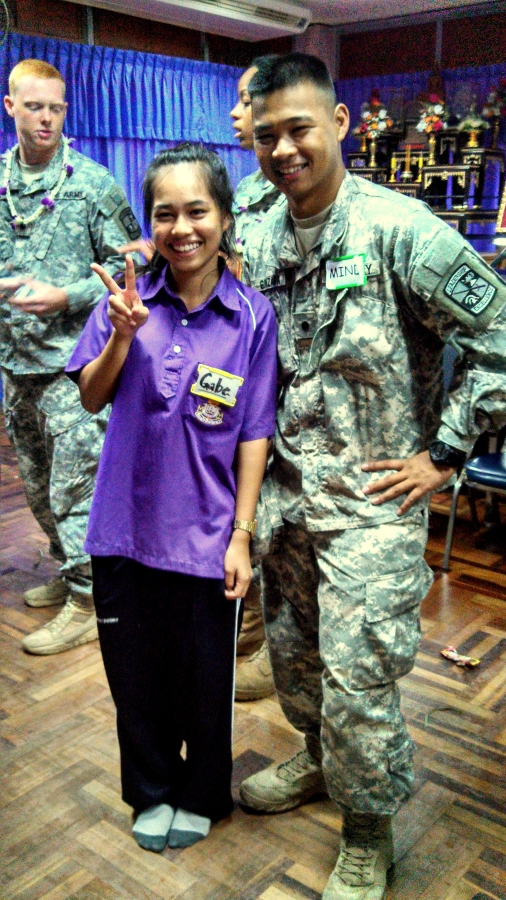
x,y
174,362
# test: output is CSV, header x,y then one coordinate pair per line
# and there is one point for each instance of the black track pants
x,y
168,643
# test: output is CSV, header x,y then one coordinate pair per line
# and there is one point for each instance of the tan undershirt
x,y
308,231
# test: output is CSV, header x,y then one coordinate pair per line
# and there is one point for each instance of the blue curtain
x,y
125,106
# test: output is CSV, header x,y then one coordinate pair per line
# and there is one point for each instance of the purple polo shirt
x,y
166,482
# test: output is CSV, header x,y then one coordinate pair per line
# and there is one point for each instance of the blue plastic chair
x,y
488,473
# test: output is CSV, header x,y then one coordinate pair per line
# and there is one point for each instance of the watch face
x,y
442,454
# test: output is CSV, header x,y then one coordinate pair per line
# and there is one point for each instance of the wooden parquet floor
x,y
65,832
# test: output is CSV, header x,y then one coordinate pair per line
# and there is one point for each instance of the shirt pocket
x,y
48,228
208,417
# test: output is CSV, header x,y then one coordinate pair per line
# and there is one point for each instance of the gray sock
x,y
152,827
187,828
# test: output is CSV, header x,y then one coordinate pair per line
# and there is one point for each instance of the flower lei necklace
x,y
47,202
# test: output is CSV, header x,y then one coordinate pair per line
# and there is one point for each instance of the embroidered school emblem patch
x,y
216,385
469,290
209,413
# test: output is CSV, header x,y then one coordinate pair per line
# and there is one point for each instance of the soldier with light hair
x,y
368,286
59,212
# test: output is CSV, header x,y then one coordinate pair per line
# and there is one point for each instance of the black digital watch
x,y
443,454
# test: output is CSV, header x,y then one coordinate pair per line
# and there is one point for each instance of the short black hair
x,y
279,72
215,178
261,61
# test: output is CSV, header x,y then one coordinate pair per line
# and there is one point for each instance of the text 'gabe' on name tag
x,y
217,385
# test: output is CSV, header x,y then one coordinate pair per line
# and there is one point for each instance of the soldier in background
x,y
59,212
367,285
254,196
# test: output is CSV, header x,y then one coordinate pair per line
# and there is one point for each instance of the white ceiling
x,y
342,12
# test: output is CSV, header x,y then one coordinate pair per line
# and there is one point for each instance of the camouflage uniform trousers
x,y
342,622
58,446
252,633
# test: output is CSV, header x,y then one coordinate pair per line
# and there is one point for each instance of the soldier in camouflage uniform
x,y
368,286
47,292
255,194
254,197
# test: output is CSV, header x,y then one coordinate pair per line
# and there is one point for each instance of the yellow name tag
x,y
216,385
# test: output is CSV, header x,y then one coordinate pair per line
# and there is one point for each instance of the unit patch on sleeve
x,y
469,290
129,222
214,384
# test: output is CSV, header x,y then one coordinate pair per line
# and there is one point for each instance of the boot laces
x,y
63,617
355,865
297,765
261,653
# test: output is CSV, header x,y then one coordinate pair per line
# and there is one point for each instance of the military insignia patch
x,y
469,290
209,413
129,223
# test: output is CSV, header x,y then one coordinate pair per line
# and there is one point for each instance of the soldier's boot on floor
x,y
253,679
50,594
252,633
73,626
365,857
285,785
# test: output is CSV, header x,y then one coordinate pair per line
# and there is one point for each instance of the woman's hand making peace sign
x,y
126,309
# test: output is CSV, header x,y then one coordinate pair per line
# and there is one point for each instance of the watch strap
x,y
443,454
245,525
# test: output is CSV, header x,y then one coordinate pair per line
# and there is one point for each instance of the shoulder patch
x,y
470,290
128,221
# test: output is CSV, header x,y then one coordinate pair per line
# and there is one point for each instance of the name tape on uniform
x,y
214,384
346,272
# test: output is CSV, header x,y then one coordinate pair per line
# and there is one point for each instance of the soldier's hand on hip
x,y
33,296
126,309
415,477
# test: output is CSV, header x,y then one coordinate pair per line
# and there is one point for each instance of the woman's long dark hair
x,y
215,178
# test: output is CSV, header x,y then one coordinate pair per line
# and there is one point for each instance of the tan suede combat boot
x,y
50,594
361,869
70,628
253,679
285,785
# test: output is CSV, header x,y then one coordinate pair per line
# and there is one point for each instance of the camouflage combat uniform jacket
x,y
254,197
361,366
90,220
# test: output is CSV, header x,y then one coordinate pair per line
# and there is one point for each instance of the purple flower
x,y
70,169
46,201
3,191
238,241
13,224
243,209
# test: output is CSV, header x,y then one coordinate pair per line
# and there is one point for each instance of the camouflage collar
x,y
47,179
283,246
252,190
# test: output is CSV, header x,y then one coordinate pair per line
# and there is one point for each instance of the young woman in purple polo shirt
x,y
187,356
